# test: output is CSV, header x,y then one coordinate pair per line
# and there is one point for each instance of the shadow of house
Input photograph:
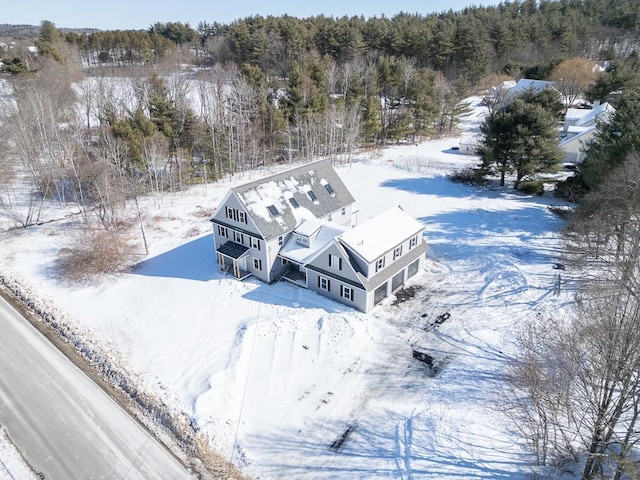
x,y
288,295
189,261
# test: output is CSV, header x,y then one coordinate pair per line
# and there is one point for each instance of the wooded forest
x,y
277,89
99,119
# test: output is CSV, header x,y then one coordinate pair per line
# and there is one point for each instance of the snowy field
x,y
289,384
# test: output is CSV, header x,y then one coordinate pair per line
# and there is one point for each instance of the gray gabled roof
x,y
267,201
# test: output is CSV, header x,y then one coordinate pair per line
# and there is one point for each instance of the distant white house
x,y
297,226
527,85
579,127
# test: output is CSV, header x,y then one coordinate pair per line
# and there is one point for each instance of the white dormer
x,y
306,232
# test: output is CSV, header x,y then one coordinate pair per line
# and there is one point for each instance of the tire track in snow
x,y
502,284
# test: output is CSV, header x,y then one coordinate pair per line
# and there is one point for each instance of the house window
x,y
324,283
280,240
255,243
222,231
413,242
344,211
397,252
346,292
330,218
302,240
294,202
335,262
284,261
380,264
312,196
257,264
273,210
235,214
238,237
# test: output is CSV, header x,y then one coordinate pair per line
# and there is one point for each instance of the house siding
x,y
345,219
345,270
275,267
370,269
241,232
338,271
402,264
359,299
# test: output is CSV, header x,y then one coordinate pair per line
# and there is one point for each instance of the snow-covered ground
x,y
289,384
12,465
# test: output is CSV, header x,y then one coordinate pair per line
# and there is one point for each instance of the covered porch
x,y
233,257
295,273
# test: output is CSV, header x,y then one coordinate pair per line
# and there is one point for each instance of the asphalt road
x,y
64,425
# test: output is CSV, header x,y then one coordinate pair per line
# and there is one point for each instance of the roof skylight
x,y
273,210
329,189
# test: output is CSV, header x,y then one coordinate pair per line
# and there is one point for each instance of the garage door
x,y
380,294
413,268
397,281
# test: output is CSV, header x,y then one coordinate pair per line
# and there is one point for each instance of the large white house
x,y
579,127
297,226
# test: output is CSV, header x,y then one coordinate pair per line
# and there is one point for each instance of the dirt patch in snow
x,y
406,293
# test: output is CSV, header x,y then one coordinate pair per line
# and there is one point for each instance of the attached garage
x,y
380,294
413,268
397,281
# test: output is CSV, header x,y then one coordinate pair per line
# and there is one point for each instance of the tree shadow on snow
x,y
438,186
194,260
509,248
377,442
456,234
388,445
442,186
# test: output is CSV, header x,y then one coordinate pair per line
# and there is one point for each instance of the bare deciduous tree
x,y
577,381
93,254
572,77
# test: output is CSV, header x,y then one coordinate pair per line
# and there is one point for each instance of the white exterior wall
x,y
573,147
370,270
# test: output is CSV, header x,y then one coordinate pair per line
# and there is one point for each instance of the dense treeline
x,y
466,44
512,37
271,89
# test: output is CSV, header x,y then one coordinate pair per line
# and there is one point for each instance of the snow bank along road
x,y
65,426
